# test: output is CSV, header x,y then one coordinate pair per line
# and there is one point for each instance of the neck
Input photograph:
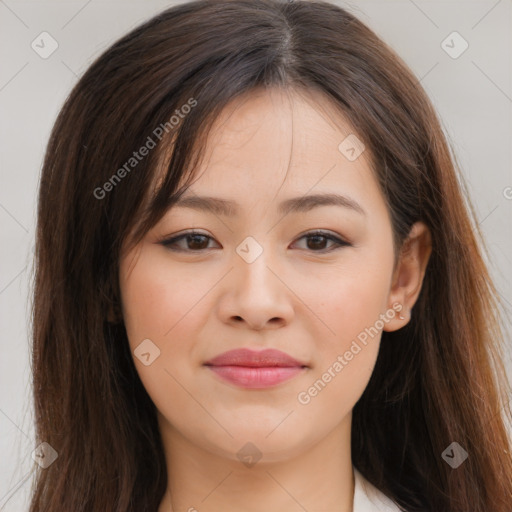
x,y
318,478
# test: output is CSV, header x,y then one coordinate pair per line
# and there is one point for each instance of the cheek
x,y
350,299
163,305
350,304
345,359
157,298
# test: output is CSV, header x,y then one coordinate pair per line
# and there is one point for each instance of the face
x,y
312,281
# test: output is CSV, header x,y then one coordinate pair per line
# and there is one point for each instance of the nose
x,y
256,295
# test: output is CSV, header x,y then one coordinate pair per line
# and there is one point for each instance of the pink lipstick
x,y
255,369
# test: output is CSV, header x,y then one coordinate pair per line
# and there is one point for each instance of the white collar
x,y
367,498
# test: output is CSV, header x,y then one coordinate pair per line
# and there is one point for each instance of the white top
x,y
367,498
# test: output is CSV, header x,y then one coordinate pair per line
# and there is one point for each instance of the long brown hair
x,y
436,381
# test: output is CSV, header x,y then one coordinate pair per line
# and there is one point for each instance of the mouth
x,y
255,369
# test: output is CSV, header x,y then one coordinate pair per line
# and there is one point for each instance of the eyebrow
x,y
296,204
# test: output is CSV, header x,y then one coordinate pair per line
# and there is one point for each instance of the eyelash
x,y
168,243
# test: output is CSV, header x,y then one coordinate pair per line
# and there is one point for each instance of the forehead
x,y
297,120
290,142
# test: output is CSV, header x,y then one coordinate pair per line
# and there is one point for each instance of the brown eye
x,y
193,242
316,241
196,242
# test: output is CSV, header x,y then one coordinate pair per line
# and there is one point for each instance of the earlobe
x,y
409,273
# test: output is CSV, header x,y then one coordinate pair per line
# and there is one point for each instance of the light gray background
x,y
472,94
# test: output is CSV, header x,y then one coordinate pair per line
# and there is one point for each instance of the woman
x,y
258,370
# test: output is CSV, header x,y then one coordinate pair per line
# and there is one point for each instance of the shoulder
x,y
367,498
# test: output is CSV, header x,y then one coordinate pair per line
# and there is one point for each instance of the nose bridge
x,y
252,264
257,294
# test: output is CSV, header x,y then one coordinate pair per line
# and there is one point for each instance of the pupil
x,y
195,238
318,238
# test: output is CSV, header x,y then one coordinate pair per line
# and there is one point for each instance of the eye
x,y
318,239
194,241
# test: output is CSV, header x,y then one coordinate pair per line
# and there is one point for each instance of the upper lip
x,y
257,359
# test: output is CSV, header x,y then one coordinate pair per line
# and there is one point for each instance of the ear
x,y
408,276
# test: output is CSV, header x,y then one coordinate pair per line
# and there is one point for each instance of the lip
x,y
255,369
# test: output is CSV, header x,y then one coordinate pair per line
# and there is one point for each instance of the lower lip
x,y
256,378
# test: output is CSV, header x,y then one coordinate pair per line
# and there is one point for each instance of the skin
x,y
306,297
